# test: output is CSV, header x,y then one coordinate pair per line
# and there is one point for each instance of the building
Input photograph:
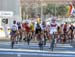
x,y
10,9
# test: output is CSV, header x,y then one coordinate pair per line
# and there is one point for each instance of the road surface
x,y
32,50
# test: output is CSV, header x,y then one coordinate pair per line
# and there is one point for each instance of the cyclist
x,y
43,25
27,32
19,30
65,32
14,29
32,29
38,30
71,30
53,30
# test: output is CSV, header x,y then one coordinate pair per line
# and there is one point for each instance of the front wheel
x,y
12,44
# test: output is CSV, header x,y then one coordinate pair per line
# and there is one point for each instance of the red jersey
x,y
26,27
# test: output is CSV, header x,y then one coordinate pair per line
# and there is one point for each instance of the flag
x,y
73,11
69,9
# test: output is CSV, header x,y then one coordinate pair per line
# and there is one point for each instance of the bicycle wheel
x,y
12,44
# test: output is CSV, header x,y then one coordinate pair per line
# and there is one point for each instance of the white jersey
x,y
43,27
14,27
53,28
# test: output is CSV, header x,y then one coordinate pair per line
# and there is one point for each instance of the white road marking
x,y
27,50
36,45
37,54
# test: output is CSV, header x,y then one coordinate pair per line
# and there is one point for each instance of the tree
x,y
52,9
61,10
49,9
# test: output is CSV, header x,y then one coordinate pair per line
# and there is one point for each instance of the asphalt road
x,y
34,46
32,50
26,54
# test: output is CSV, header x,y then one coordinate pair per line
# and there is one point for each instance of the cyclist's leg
x,y
12,41
40,43
14,36
45,38
11,38
20,35
25,36
28,38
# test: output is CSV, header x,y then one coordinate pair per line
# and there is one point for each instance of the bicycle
x,y
53,42
13,38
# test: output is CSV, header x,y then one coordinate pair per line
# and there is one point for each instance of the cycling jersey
x,y
38,28
32,27
14,27
42,26
53,28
